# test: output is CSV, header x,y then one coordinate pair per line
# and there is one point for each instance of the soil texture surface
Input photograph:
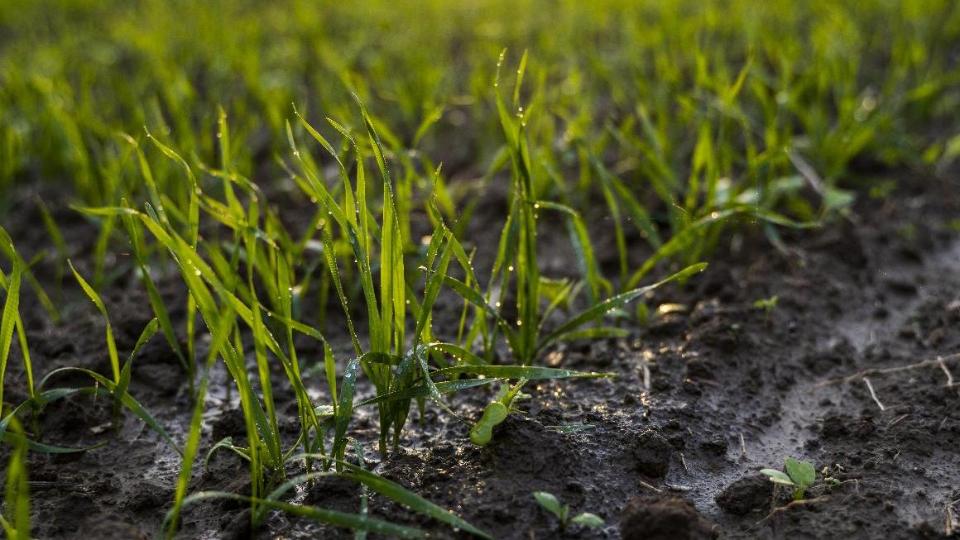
x,y
854,367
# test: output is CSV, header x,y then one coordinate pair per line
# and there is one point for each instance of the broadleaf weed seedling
x,y
494,414
550,503
799,475
767,304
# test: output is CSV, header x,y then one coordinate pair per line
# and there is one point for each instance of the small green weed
x,y
767,305
550,503
494,414
800,475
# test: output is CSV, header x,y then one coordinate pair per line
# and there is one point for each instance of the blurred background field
x,y
660,92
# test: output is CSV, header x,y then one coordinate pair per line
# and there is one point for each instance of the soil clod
x,y
652,454
664,519
748,494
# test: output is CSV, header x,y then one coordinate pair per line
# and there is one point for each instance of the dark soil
x,y
703,398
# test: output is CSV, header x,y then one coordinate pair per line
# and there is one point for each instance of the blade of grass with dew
x,y
259,340
125,372
344,412
524,219
194,271
193,232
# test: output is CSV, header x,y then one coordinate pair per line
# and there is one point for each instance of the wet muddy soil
x,y
856,369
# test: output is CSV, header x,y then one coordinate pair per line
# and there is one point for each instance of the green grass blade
x,y
220,338
331,517
620,300
520,372
422,391
126,400
582,247
11,311
411,500
148,332
98,302
8,249
17,496
345,408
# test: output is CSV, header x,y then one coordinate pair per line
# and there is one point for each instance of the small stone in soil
x,y
652,454
716,446
147,494
748,494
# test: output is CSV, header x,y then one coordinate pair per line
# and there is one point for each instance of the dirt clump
x,y
652,454
748,494
668,518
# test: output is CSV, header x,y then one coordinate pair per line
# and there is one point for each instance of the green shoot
x,y
767,304
98,302
494,414
16,502
799,475
550,503
11,308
